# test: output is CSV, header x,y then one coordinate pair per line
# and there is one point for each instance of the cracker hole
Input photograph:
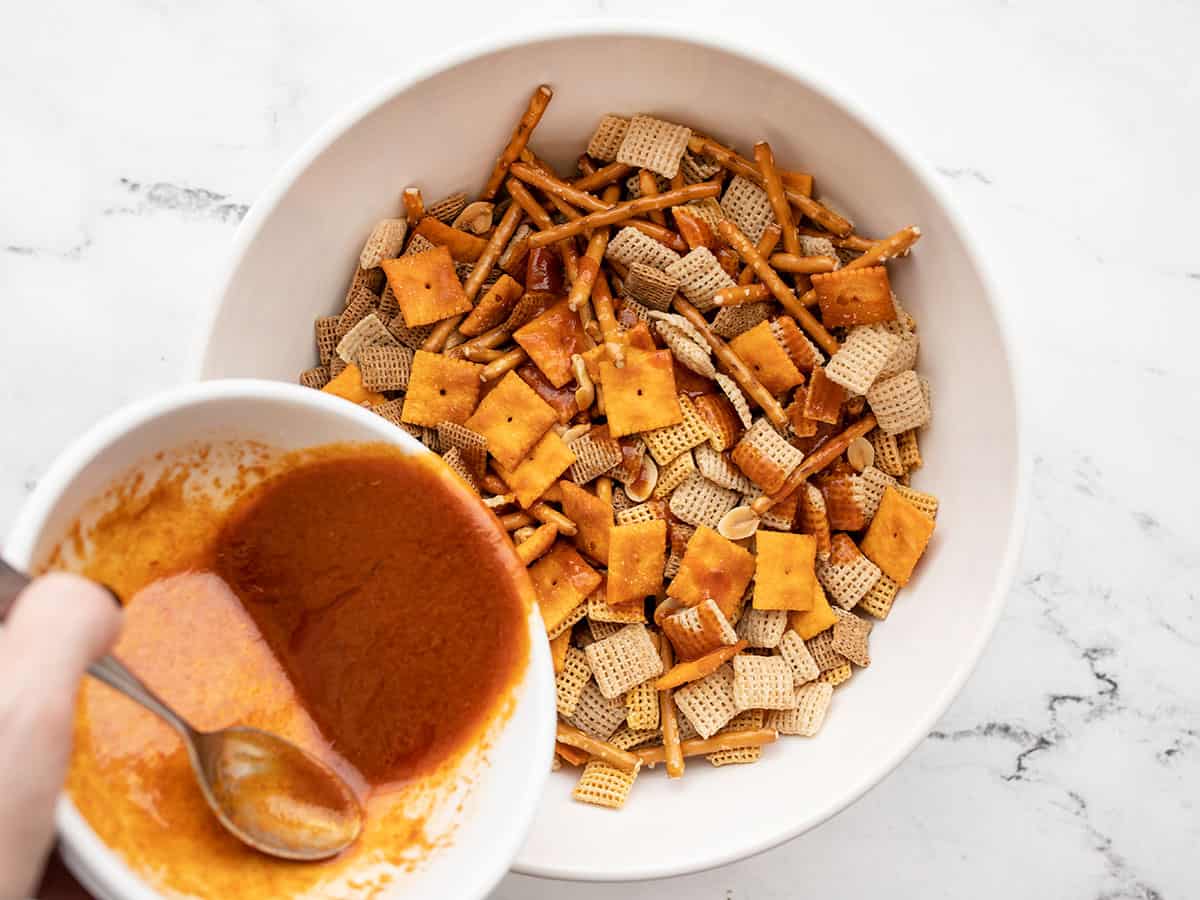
x,y
639,392
442,391
428,286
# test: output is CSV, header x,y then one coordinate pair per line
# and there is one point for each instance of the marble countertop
x,y
137,132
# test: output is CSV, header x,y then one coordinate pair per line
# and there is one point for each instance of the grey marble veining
x,y
137,134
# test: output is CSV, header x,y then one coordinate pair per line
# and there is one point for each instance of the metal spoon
x,y
266,791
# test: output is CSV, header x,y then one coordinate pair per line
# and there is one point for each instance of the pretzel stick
x,y
514,520
648,186
772,184
537,544
505,364
542,220
733,364
742,293
602,177
746,250
602,302
623,211
476,354
849,242
586,166
520,137
660,233
802,265
414,206
614,756
492,483
672,753
826,454
766,246
695,669
485,341
556,187
728,740
548,515
879,252
502,234
728,159
589,263
570,755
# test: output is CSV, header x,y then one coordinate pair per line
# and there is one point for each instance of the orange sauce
x,y
356,601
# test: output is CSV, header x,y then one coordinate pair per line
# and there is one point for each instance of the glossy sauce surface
x,y
358,602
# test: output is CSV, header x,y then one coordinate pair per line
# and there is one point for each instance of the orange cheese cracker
x,y
494,307
766,358
592,516
785,571
549,458
551,340
712,567
558,650
440,389
640,395
464,247
348,385
426,287
897,536
811,622
823,398
561,581
636,556
513,418
854,297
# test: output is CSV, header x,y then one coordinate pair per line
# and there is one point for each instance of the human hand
x,y
59,625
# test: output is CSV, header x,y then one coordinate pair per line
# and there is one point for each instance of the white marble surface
x,y
136,132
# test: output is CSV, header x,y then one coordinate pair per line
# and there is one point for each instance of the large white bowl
x,y
441,129
498,793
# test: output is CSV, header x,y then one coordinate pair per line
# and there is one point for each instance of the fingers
x,y
59,625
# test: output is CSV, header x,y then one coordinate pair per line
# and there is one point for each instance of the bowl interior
x,y
498,792
442,133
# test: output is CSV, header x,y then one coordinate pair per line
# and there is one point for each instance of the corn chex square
x,y
762,628
899,403
606,139
594,455
642,705
765,457
808,715
721,419
385,242
700,502
718,469
849,574
570,682
368,332
698,630
596,714
861,358
708,704
700,276
627,658
794,652
665,444
604,785
747,205
630,246
654,144
762,682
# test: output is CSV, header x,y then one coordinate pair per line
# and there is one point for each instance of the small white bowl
x,y
500,803
441,129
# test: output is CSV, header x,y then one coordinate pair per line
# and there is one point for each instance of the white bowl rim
x,y
820,84
105,868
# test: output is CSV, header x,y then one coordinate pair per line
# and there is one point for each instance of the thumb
x,y
59,625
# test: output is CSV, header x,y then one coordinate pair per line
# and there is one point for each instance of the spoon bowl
x,y
274,796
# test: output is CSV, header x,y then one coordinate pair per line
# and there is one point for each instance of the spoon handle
x,y
113,672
